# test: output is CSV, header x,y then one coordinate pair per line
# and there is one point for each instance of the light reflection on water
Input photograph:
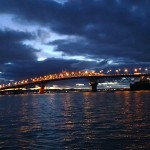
x,y
102,120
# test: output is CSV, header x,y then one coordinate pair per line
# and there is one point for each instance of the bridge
x,y
92,77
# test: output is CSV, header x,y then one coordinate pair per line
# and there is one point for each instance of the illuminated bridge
x,y
92,77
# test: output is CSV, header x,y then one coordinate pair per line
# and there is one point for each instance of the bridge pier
x,y
94,86
42,90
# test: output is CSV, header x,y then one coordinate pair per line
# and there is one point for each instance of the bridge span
x,y
92,77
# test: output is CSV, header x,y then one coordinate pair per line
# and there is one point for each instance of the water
x,y
80,121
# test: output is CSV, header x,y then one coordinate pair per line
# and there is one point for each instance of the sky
x,y
39,37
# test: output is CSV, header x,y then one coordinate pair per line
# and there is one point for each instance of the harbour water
x,y
80,120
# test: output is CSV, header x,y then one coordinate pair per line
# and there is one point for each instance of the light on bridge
x,y
135,70
126,70
101,71
146,70
78,74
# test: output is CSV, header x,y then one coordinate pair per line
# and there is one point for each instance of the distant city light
x,y
79,84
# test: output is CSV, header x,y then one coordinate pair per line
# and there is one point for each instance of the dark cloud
x,y
14,55
116,30
12,48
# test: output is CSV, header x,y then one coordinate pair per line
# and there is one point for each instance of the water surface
x,y
88,121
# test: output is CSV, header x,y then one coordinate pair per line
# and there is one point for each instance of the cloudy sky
x,y
39,37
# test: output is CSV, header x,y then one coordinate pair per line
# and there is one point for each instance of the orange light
x,y
126,70
135,70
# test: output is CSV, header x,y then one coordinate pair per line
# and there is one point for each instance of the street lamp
x,y
146,70
126,70
135,70
109,71
101,71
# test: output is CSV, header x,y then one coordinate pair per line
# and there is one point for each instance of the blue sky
x,y
39,37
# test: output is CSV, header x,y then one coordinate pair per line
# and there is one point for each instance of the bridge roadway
x,y
92,77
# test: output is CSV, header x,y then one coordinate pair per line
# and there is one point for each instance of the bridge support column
x,y
94,86
42,90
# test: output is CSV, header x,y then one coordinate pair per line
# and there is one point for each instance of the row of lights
x,y
135,70
65,75
71,74
52,76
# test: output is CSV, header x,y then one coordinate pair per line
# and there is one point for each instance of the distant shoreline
x,y
19,92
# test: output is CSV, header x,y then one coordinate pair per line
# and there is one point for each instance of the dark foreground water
x,y
92,121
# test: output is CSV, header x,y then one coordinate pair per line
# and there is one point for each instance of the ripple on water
x,y
118,120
